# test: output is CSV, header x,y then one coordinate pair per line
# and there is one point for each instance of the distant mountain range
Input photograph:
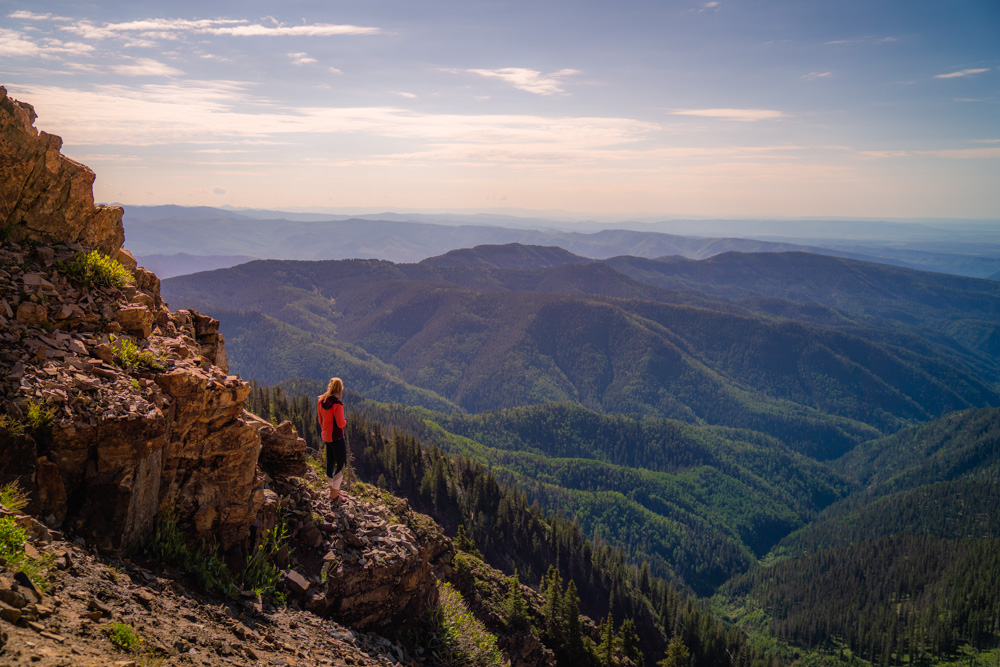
x,y
811,440
205,231
820,352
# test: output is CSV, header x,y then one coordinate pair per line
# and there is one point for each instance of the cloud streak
x,y
961,73
188,112
146,67
165,28
738,115
528,80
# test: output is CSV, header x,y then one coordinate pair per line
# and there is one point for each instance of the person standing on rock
x,y
330,410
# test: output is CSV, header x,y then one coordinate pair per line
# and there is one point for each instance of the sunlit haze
x,y
727,108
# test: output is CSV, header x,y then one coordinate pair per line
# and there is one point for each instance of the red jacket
x,y
331,418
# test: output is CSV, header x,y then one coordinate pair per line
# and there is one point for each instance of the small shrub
x,y
39,416
96,270
129,357
123,636
260,573
12,538
13,497
11,427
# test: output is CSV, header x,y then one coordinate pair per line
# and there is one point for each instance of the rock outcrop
x,y
116,407
45,196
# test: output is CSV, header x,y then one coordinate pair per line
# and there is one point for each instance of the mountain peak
x,y
507,256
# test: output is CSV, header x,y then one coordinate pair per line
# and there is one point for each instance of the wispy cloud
x,y
862,40
191,111
166,28
980,153
301,58
528,80
739,115
812,76
965,153
25,15
314,30
146,67
14,44
406,95
961,73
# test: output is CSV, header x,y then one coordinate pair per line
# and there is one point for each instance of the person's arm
x,y
338,414
319,414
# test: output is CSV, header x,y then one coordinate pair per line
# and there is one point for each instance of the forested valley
x,y
761,460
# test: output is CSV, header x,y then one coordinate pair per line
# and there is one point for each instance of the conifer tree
x,y
514,609
606,649
678,654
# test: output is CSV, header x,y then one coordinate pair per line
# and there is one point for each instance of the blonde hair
x,y
335,388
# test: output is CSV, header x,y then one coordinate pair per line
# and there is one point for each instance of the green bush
x,y
260,573
129,357
39,416
123,636
96,270
12,538
11,427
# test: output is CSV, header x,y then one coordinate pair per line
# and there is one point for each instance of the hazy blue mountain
x,y
168,266
963,249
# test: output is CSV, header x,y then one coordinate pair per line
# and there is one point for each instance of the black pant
x,y
336,457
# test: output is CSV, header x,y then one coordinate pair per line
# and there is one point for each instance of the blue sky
x,y
722,108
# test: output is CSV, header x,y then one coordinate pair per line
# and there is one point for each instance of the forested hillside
x,y
547,549
905,568
486,338
813,442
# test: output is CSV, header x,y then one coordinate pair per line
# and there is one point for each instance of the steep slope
x,y
912,553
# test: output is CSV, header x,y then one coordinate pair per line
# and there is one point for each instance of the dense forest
x,y
899,570
749,459
512,534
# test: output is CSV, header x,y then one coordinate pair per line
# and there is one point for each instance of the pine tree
x,y
606,649
630,642
678,654
514,609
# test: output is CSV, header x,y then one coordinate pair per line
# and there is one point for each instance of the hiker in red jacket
x,y
332,421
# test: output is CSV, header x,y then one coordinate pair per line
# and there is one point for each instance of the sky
x,y
724,108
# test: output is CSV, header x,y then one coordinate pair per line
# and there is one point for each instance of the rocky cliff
x,y
116,412
116,409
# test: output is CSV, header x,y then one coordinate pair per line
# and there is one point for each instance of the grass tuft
x,y
462,639
13,497
123,636
129,357
96,270
165,545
